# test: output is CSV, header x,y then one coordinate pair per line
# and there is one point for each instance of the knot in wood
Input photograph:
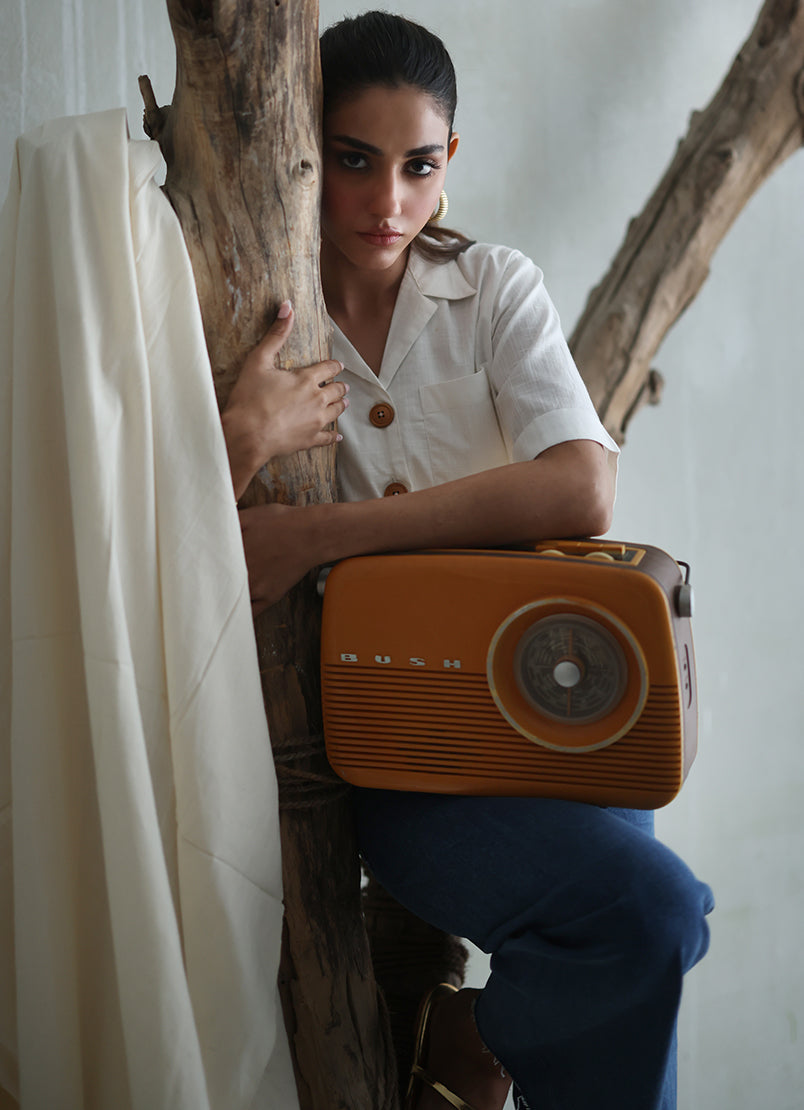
x,y
768,29
798,92
655,387
304,171
713,169
778,21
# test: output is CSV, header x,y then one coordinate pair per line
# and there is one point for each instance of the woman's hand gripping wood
x,y
273,412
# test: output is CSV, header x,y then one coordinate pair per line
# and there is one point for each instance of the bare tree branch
x,y
754,122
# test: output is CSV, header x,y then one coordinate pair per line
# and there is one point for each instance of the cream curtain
x,y
140,880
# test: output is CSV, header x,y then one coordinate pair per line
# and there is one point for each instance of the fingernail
x,y
338,437
346,384
346,402
285,310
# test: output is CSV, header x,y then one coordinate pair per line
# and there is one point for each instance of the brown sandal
x,y
418,1072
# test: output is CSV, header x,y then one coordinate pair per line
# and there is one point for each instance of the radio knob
x,y
684,600
567,673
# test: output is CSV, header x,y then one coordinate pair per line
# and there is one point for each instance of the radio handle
x,y
684,599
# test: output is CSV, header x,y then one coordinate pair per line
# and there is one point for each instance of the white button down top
x,y
478,374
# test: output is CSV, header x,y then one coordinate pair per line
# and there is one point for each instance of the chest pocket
x,y
463,433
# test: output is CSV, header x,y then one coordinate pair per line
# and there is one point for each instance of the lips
x,y
381,236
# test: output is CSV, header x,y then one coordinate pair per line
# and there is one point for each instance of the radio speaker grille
x,y
450,726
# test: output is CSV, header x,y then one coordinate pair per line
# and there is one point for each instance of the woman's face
x,y
385,159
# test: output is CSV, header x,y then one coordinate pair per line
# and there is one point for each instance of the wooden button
x,y
395,488
381,415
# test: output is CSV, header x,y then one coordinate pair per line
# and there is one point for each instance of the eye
x,y
422,167
352,160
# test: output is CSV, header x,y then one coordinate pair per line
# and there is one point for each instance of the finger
x,y
327,438
271,343
334,391
333,369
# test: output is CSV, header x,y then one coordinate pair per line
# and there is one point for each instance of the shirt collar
x,y
423,283
439,279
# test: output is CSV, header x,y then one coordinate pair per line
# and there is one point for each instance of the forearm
x,y
244,460
567,491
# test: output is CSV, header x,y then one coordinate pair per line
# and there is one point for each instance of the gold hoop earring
x,y
441,211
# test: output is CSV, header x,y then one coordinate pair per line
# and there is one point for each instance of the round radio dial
x,y
570,668
567,674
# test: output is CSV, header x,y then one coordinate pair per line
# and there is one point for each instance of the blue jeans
x,y
590,923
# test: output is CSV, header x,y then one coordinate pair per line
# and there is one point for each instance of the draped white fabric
x,y
140,879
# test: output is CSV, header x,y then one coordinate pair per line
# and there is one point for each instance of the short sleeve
x,y
540,397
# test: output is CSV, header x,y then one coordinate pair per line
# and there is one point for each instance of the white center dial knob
x,y
567,674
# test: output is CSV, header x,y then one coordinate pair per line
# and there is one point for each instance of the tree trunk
x,y
241,141
753,123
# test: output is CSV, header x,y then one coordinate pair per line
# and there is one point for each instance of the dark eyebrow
x,y
358,144
421,151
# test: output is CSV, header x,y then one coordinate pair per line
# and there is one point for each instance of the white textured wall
x,y
569,111
67,57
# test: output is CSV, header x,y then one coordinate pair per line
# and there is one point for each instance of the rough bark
x,y
753,123
241,142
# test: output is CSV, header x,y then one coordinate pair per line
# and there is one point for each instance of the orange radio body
x,y
565,670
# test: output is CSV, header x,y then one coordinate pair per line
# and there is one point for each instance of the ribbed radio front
x,y
446,731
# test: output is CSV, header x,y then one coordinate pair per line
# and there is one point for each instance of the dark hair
x,y
378,48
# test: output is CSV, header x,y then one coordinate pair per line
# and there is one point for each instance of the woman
x,y
468,425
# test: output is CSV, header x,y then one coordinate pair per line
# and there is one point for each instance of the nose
x,y
387,196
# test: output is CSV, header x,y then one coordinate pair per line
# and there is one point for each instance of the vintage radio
x,y
565,670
